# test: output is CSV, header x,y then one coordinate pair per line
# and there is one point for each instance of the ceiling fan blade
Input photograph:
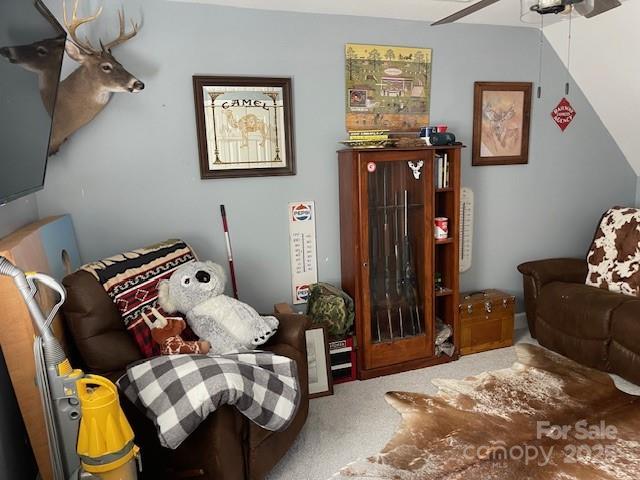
x,y
602,6
467,11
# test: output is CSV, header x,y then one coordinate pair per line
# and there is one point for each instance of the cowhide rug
x,y
546,417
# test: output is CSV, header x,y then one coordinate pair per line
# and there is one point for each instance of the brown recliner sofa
x,y
595,327
226,446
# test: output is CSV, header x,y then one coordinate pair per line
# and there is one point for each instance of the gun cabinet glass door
x,y
398,200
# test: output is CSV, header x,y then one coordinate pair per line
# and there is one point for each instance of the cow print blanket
x,y
614,257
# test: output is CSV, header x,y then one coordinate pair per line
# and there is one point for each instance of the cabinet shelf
x,y
444,241
444,190
444,292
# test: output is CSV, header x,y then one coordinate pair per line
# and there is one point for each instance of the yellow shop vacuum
x,y
89,435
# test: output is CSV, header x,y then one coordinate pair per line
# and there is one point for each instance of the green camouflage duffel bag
x,y
332,306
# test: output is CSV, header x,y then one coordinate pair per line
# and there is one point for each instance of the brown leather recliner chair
x,y
226,446
595,327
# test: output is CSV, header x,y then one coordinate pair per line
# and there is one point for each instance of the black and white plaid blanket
x,y
177,392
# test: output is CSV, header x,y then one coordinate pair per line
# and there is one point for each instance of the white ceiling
x,y
505,12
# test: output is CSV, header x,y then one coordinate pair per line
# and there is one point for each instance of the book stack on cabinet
x,y
442,177
389,200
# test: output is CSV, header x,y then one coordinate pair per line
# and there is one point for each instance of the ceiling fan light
x,y
585,7
526,14
548,3
532,16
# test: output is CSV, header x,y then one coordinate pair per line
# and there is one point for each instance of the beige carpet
x,y
356,422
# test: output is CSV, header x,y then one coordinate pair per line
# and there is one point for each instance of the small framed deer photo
x,y
318,361
501,119
245,126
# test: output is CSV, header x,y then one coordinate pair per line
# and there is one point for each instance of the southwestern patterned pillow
x,y
614,257
131,280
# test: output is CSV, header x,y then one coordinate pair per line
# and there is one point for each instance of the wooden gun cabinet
x,y
389,199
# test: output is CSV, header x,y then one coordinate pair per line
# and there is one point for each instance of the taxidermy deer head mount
x,y
41,57
88,89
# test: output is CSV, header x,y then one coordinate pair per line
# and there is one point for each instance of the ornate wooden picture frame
x,y
245,126
501,122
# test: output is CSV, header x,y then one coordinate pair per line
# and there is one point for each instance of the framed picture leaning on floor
x,y
244,126
318,361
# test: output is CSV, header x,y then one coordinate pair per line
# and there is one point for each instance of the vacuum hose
x,y
53,352
8,269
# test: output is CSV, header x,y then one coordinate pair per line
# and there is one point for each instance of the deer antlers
x,y
122,37
76,22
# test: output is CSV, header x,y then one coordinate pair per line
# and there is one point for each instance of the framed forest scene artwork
x,y
387,87
245,126
501,121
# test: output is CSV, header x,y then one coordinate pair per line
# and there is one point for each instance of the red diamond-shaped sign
x,y
563,114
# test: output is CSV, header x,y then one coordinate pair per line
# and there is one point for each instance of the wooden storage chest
x,y
487,319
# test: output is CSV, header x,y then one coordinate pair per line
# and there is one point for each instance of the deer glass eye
x,y
106,67
186,281
42,51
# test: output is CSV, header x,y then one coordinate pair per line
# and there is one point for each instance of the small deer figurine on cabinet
x,y
88,89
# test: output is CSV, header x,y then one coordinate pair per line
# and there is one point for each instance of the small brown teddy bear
x,y
166,331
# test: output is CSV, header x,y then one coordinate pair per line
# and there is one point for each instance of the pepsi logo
x,y
302,292
301,213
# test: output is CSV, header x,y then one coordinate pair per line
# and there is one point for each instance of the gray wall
x,y
131,177
18,213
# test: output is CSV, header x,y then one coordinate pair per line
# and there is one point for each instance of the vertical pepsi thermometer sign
x,y
302,245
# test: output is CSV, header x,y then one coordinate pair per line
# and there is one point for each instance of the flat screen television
x,y
31,53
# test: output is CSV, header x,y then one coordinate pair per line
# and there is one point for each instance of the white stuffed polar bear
x,y
196,290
